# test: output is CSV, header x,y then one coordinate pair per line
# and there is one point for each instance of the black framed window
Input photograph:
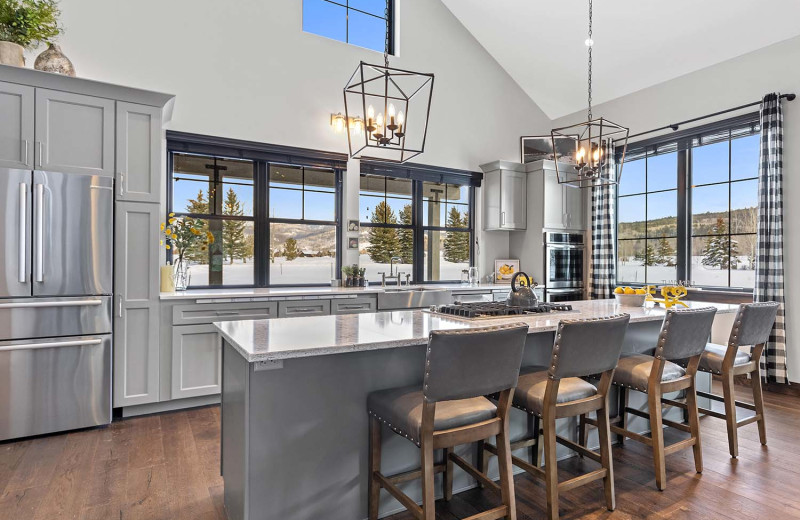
x,y
302,225
425,226
274,222
358,22
688,207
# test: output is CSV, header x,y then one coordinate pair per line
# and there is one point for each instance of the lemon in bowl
x,y
630,297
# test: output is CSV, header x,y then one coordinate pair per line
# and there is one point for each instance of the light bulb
x,y
401,118
379,121
391,112
596,155
371,112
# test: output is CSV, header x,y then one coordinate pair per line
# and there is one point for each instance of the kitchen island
x,y
294,390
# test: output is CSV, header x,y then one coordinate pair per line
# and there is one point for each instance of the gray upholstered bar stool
x,y
450,409
752,327
684,334
581,348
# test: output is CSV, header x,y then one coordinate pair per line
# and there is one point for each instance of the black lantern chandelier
x,y
594,156
394,105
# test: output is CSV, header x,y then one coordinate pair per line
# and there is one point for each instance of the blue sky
x,y
330,19
709,164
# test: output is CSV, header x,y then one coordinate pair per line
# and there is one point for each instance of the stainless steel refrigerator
x,y
56,231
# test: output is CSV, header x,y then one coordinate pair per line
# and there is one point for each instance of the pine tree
x,y
233,237
719,248
665,254
290,250
406,236
384,243
647,257
198,206
456,249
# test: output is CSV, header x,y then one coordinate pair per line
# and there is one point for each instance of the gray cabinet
x,y
197,313
138,153
74,133
136,316
563,205
196,361
16,130
290,308
354,305
504,196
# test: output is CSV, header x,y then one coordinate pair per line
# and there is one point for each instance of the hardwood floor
x,y
166,467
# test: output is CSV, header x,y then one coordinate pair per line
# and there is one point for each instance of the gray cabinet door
x,y
513,200
196,361
291,308
354,305
574,205
16,130
136,309
74,133
138,153
490,192
554,214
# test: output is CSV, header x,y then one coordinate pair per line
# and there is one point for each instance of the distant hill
x,y
744,220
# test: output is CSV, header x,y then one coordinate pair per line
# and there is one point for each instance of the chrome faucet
x,y
393,276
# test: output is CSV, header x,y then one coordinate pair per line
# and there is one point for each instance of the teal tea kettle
x,y
522,295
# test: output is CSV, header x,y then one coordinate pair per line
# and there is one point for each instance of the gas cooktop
x,y
488,310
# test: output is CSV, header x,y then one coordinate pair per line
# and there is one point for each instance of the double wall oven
x,y
563,266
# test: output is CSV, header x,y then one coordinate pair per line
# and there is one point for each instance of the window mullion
x,y
682,245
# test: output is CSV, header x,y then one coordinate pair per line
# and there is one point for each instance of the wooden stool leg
x,y
550,464
533,433
582,440
758,401
621,407
694,426
447,478
730,414
481,461
537,449
374,466
604,433
428,499
506,473
657,434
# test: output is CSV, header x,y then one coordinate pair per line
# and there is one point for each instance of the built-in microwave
x,y
564,258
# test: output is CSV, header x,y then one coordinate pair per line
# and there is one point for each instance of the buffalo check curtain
x,y
769,256
603,266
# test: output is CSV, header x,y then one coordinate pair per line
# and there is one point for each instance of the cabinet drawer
x,y
354,305
208,313
290,308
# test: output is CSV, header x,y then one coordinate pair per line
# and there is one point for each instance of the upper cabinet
x,y
504,196
16,130
74,133
138,153
563,204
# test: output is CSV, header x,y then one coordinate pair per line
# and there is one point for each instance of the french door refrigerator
x,y
56,231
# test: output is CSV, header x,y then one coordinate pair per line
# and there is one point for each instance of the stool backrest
x,y
684,333
461,364
587,347
754,322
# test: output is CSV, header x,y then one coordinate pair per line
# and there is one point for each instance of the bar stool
x,y
581,348
450,409
752,327
684,334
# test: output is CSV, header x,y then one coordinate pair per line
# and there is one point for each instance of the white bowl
x,y
631,300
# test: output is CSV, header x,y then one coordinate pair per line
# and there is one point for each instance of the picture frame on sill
x,y
504,270
352,243
353,226
537,147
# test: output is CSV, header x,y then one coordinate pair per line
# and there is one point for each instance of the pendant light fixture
x,y
594,140
394,105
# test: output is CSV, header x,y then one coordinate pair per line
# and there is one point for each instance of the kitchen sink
x,y
412,298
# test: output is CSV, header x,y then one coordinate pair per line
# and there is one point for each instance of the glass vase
x,y
181,276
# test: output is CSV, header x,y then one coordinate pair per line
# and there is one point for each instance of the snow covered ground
x,y
632,271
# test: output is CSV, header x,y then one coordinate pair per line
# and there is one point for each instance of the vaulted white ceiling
x,y
638,43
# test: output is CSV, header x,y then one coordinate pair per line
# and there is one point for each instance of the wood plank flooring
x,y
166,467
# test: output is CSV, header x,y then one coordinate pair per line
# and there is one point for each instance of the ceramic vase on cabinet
x,y
12,54
53,60
181,275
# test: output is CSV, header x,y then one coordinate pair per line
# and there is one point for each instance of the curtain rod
x,y
676,126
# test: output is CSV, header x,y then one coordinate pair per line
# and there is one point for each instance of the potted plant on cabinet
x,y
24,24
186,238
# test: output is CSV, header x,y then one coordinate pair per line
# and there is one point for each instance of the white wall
x,y
246,70
725,85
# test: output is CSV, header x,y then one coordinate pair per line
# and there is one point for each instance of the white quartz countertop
x,y
286,338
202,294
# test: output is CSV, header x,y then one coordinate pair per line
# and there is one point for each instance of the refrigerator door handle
x,y
39,230
23,231
51,344
35,304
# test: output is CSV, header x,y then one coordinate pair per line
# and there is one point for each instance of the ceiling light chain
x,y
590,44
386,42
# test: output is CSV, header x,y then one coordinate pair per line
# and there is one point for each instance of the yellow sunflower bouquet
x,y
182,235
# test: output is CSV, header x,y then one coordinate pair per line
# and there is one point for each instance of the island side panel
x,y
234,460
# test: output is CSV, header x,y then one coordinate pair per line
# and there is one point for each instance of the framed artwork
x,y
504,270
352,243
353,226
537,147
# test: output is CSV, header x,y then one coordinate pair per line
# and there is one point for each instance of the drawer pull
x,y
227,313
303,309
353,307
